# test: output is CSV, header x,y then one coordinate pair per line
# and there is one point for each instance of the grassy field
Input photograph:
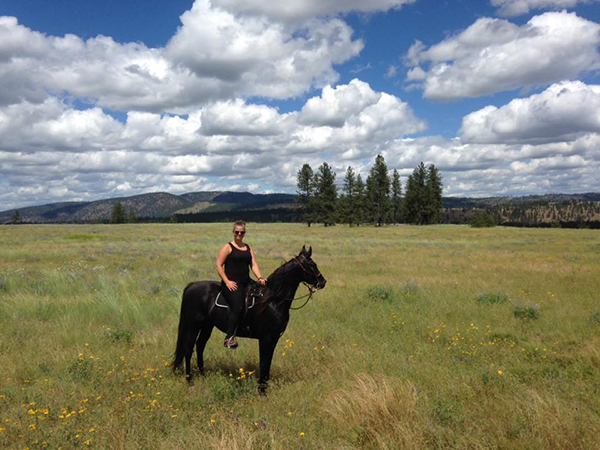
x,y
425,337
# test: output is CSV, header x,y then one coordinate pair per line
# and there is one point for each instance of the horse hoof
x,y
262,389
190,380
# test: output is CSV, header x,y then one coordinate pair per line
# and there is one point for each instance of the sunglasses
x,y
239,233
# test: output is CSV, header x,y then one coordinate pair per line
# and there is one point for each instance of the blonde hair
x,y
239,223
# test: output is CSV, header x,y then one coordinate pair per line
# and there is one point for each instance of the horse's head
x,y
311,274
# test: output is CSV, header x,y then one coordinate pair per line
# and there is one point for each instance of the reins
x,y
311,289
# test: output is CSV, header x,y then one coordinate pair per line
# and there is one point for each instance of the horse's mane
x,y
277,281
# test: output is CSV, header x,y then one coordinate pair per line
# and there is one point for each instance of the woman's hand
x,y
262,281
231,285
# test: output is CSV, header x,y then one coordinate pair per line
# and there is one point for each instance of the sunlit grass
x,y
434,337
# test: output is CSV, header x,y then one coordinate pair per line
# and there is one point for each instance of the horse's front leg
x,y
267,346
201,344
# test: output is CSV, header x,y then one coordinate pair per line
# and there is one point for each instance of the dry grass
x,y
378,412
412,345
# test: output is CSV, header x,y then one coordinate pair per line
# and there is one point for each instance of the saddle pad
x,y
224,305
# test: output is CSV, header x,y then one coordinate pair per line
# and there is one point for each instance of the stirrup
x,y
230,343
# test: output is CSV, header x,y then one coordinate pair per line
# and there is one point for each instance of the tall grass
x,y
425,337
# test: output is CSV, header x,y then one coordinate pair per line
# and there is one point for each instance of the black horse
x,y
266,321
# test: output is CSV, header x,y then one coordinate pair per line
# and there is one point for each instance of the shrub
x,y
595,319
483,219
527,312
445,412
80,369
154,289
120,335
503,337
492,298
411,287
380,293
193,272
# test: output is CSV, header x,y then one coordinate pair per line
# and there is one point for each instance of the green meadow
x,y
424,338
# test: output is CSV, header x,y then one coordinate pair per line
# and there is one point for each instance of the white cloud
x,y
510,8
494,55
214,55
498,169
191,123
255,56
31,127
562,112
222,144
113,75
240,119
152,152
305,9
336,105
391,72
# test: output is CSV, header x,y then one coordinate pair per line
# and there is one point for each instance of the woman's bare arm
x,y
223,254
255,267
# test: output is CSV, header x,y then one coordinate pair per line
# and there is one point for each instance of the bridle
x,y
311,288
317,274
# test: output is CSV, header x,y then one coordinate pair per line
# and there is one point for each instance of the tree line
x,y
378,200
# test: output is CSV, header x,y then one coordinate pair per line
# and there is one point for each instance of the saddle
x,y
253,291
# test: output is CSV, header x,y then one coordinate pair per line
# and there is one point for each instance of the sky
x,y
112,98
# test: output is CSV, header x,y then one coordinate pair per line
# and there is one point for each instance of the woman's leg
x,y
235,302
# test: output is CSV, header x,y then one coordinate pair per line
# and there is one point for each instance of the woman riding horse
x,y
266,321
232,266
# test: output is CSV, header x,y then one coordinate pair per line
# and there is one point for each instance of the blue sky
x,y
103,99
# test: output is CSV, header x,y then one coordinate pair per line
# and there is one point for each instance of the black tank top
x,y
237,264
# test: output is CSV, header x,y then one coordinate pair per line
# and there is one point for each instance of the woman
x,y
233,262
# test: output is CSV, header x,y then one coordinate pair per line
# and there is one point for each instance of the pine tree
x,y
415,196
348,199
16,217
433,192
396,197
325,195
306,190
378,191
131,218
118,213
359,200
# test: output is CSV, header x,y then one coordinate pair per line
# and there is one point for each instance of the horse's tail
x,y
180,349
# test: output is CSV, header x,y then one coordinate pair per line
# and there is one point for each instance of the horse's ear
x,y
309,254
303,251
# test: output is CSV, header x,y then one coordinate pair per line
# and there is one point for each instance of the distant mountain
x,y
220,206
571,210
529,200
158,205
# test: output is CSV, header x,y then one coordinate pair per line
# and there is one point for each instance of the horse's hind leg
x,y
191,336
201,343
